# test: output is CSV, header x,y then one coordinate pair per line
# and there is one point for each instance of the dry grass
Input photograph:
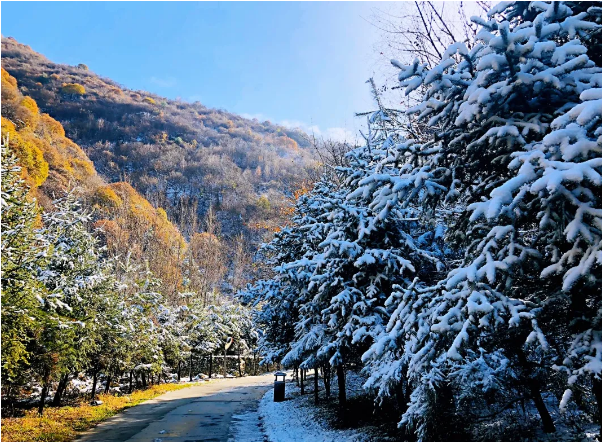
x,y
62,424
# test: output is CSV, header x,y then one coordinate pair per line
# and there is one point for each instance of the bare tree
x,y
241,262
425,29
330,154
207,259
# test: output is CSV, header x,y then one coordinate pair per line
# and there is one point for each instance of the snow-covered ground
x,y
297,419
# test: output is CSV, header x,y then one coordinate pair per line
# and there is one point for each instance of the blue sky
x,y
301,64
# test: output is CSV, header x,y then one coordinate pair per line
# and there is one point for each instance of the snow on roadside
x,y
295,420
246,427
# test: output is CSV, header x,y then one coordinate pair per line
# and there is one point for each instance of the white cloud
x,y
163,82
333,133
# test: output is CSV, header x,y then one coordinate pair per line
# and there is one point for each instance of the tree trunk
x,y
239,368
60,389
131,376
327,380
179,370
43,398
10,399
401,396
143,376
190,368
108,386
225,373
532,385
94,380
546,419
342,392
316,394
45,382
597,391
301,378
210,365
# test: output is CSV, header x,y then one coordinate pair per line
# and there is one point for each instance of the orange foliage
x,y
31,158
85,167
9,79
129,221
139,218
53,128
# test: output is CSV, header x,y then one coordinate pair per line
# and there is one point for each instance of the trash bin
x,y
279,386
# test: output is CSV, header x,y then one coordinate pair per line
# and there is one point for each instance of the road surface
x,y
195,414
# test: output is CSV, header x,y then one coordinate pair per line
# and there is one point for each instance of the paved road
x,y
196,414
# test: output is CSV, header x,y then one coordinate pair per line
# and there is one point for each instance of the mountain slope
x,y
181,156
52,165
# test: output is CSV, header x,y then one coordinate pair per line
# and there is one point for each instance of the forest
x,y
455,259
95,279
452,261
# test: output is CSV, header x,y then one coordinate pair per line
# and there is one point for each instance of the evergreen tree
x,y
23,251
516,152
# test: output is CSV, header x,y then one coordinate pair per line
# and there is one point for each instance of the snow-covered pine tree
x,y
81,293
23,251
519,150
278,299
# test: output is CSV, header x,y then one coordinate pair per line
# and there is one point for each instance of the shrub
x,y
85,167
73,89
162,214
30,155
82,66
264,203
8,78
149,100
27,113
106,196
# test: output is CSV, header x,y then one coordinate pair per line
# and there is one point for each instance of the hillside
x,y
52,165
182,156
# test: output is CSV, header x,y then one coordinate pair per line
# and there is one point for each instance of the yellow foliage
x,y
162,214
31,158
106,196
10,93
55,76
85,167
51,127
264,203
30,112
9,79
62,424
149,100
73,89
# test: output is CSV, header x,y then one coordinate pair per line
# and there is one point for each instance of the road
x,y
195,414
